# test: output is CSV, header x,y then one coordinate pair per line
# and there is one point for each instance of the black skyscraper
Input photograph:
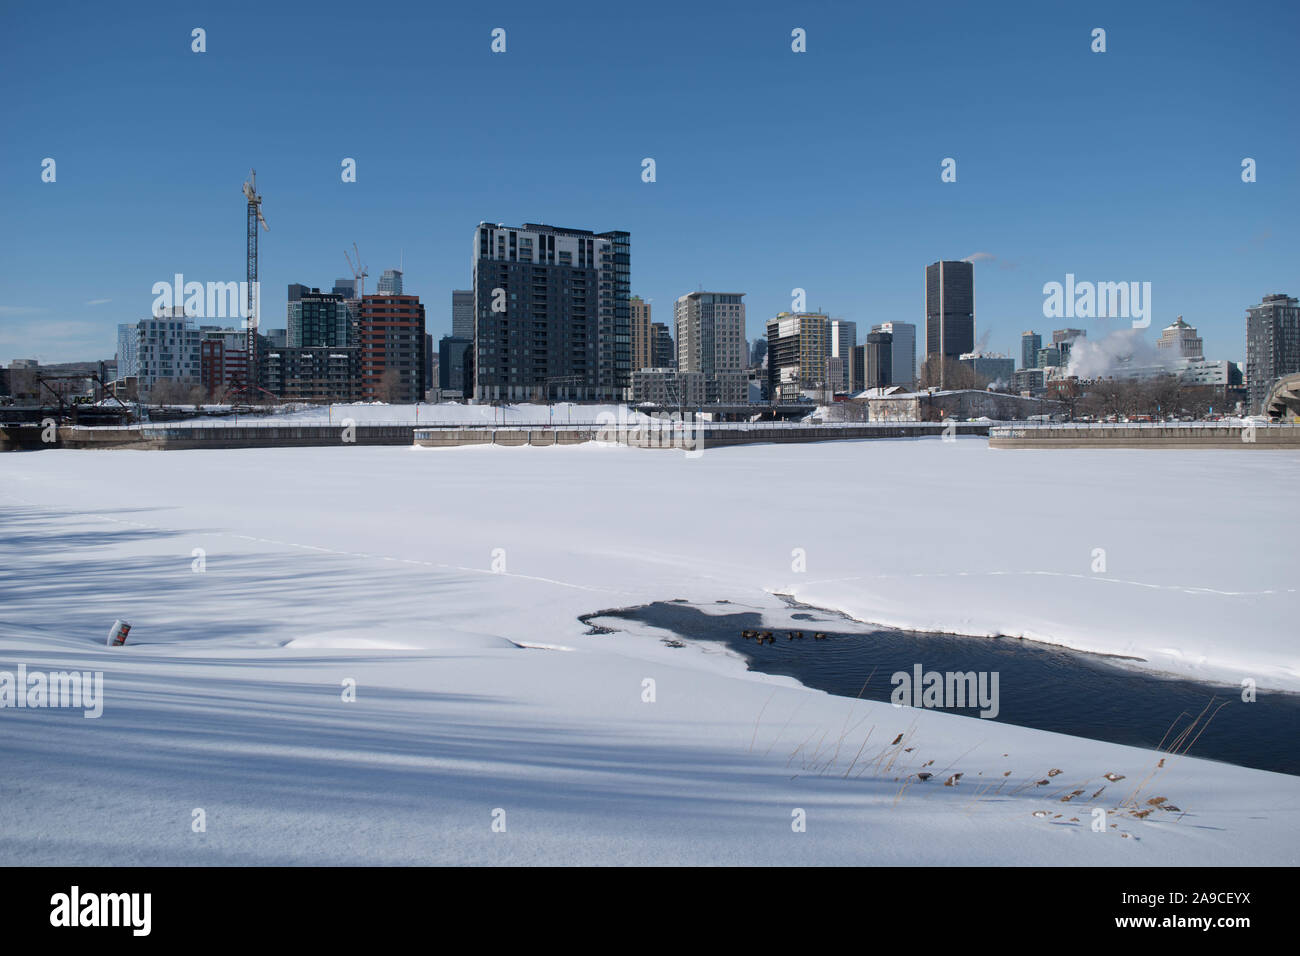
x,y
949,309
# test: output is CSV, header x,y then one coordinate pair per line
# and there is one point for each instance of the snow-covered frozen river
x,y
445,587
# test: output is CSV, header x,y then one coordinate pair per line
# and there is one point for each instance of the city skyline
x,y
851,214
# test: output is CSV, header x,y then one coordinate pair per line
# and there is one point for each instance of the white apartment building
x,y
711,340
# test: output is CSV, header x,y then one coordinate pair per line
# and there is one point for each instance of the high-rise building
x,y
1180,342
1049,357
128,364
317,319
392,348
642,343
991,369
902,361
1030,343
462,314
711,340
844,338
799,343
552,316
1272,345
710,331
223,359
1063,340
949,310
858,368
1031,379
878,360
167,349
390,283
430,362
668,386
663,349
451,362
347,288
758,353
313,374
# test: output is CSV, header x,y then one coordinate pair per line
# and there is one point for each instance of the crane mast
x,y
253,298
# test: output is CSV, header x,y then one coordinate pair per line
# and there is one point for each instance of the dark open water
x,y
1040,686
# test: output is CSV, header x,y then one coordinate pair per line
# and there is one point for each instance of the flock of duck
x,y
766,637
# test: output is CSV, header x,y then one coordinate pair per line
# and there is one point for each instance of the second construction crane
x,y
358,271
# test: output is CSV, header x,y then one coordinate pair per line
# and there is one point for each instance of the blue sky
x,y
775,170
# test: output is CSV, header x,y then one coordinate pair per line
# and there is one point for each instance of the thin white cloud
x,y
98,301
20,310
980,257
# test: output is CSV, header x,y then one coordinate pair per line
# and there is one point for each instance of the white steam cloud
x,y
1118,354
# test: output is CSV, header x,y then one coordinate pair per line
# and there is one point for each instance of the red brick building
x,y
391,332
223,360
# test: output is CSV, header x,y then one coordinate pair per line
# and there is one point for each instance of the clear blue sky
x,y
775,170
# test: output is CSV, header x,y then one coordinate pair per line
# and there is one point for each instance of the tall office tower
x,y
430,361
662,348
128,364
462,314
949,310
392,348
317,319
552,317
642,343
902,361
451,362
1030,343
798,345
758,353
711,340
1272,345
1180,342
844,338
878,360
345,287
390,283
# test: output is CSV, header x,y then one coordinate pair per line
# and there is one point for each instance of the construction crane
x,y
254,217
358,270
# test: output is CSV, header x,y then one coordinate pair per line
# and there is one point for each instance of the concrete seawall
x,y
691,436
167,437
1188,435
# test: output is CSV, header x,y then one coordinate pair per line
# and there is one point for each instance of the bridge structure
x,y
1283,400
